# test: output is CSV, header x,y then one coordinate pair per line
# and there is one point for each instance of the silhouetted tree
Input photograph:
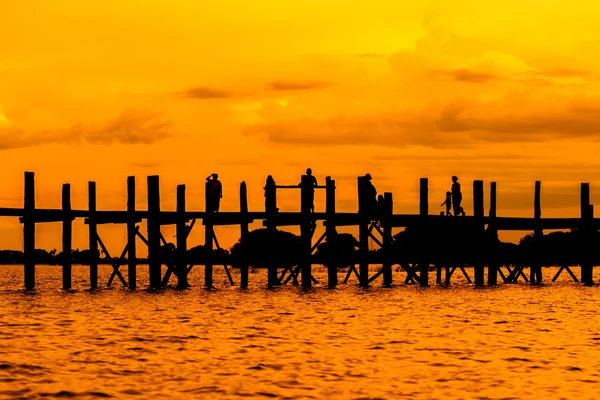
x,y
264,247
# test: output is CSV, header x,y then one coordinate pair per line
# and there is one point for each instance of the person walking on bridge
x,y
457,197
215,193
307,185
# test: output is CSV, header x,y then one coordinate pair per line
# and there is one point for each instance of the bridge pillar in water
x,y
535,271
29,231
364,217
330,229
587,269
480,232
93,235
423,228
182,232
493,264
387,213
67,236
131,234
154,251
244,232
208,236
306,230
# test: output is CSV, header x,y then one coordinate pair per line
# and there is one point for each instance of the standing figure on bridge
x,y
457,197
307,186
270,195
214,193
448,203
369,194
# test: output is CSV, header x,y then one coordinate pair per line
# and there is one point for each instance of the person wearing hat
x,y
370,193
457,197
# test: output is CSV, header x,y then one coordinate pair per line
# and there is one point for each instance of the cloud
x,y
205,92
371,55
297,85
130,127
466,75
514,118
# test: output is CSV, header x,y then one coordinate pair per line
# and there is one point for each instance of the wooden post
x,y
493,265
131,234
423,226
243,231
67,236
29,231
586,268
306,232
154,259
478,213
330,229
208,238
535,269
387,238
182,265
364,215
93,235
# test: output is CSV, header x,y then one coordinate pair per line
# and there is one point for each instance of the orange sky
x,y
503,91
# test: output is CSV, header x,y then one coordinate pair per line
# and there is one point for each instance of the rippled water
x,y
513,341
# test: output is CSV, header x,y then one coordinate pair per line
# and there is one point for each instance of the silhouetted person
x,y
308,183
380,206
270,195
448,203
215,193
369,194
456,197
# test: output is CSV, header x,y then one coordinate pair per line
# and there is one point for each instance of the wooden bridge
x,y
369,225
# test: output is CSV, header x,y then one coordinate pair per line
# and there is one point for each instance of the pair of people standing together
x,y
454,198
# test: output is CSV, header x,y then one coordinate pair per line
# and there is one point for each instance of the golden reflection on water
x,y
513,341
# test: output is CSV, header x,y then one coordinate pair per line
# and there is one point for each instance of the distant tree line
x,y
263,248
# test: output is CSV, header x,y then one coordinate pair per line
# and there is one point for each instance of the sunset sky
x,y
499,91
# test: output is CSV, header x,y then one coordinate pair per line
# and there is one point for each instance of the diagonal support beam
x,y
115,265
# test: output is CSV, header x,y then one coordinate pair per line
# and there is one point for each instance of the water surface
x,y
512,341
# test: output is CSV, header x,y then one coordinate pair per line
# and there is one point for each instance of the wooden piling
x,y
330,229
423,212
208,239
306,233
535,269
181,232
154,259
67,236
131,234
387,238
478,213
29,231
93,235
587,270
244,231
364,215
493,265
